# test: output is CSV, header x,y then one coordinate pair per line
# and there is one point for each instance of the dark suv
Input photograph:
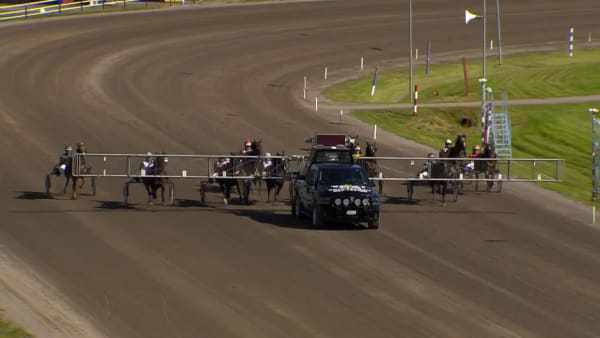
x,y
336,192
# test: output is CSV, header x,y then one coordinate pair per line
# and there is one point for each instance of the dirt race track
x,y
201,80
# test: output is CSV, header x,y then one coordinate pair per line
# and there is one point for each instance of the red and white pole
x,y
416,101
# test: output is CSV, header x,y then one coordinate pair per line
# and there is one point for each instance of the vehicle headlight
x,y
338,201
346,202
357,202
365,201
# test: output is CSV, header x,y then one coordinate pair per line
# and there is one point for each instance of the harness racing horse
x,y
458,151
371,165
84,167
248,167
222,168
152,184
276,173
67,171
488,168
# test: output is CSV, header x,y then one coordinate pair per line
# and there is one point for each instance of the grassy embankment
x,y
540,131
7,330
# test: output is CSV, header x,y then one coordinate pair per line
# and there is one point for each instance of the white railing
x,y
386,169
57,7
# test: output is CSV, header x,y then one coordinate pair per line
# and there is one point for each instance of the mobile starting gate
x,y
410,170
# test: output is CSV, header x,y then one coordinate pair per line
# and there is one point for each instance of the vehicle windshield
x,y
325,156
342,176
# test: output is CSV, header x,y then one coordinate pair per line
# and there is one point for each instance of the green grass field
x,y
536,75
546,131
8,330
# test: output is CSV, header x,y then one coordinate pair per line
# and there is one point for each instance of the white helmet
x,y
268,154
448,141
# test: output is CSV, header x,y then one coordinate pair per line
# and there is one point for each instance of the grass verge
x,y
8,330
536,75
545,131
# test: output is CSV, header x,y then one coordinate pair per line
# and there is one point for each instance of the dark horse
x,y
224,168
152,184
371,165
248,167
458,151
488,167
276,173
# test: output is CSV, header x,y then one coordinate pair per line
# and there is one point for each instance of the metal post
x,y
499,32
410,52
483,79
595,146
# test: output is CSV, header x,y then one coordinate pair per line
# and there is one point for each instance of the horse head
x,y
460,147
161,163
371,150
256,147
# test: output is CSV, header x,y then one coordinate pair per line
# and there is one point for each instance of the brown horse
x,y
66,169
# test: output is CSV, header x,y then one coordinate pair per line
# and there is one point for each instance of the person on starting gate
x,y
424,173
470,166
475,153
445,151
247,148
64,161
148,163
357,153
267,162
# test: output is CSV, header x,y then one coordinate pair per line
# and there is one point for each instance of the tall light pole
x,y
468,17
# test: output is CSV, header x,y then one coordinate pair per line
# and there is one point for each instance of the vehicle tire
x,y
317,218
374,222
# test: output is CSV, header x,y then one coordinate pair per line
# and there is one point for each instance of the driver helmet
x,y
268,154
430,155
476,147
248,143
448,142
68,148
148,155
357,149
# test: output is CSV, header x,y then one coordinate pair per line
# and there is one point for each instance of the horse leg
x,y
74,194
149,191
48,183
162,192
277,190
225,191
444,186
66,184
